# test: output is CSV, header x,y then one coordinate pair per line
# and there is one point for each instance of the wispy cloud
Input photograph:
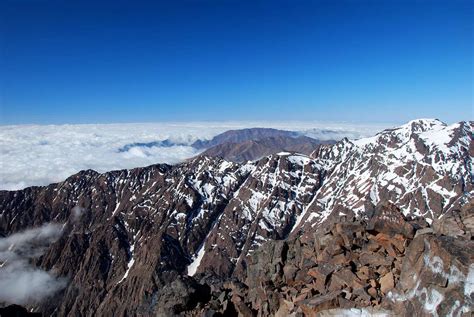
x,y
43,154
20,281
76,213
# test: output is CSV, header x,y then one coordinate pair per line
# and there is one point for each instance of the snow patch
x,y
299,159
129,264
192,268
469,283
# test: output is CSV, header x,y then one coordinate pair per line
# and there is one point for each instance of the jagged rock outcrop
x,y
285,234
457,222
437,278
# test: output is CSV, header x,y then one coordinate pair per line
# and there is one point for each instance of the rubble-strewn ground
x,y
379,268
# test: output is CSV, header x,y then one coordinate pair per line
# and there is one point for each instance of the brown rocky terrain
x,y
250,150
242,135
382,268
381,225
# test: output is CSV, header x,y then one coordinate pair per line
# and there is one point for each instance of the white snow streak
x,y
192,268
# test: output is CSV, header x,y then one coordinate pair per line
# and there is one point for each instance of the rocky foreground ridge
x,y
381,225
379,268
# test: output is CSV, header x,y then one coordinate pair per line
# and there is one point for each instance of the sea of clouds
x,y
43,154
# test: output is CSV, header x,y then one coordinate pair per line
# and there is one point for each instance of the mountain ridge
x,y
240,135
208,216
251,150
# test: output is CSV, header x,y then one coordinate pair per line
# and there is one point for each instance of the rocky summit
x,y
379,226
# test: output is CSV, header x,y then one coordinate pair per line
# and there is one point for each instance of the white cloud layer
x,y
43,154
20,281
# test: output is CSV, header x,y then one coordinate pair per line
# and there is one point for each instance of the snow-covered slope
x,y
424,167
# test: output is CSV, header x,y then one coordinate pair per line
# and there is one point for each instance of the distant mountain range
x,y
379,225
254,149
245,144
252,144
242,135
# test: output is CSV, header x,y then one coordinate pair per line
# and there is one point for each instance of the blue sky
x,y
134,61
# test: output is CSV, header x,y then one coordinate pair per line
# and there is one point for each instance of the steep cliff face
x,y
130,238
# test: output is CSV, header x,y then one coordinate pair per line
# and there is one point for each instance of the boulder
x,y
374,259
181,295
436,278
454,224
318,303
289,271
387,282
389,219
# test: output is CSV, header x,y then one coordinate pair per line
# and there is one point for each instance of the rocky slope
x,y
383,267
198,236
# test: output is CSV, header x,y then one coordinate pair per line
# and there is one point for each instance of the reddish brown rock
x,y
372,292
374,259
389,220
456,223
387,283
435,278
363,273
316,304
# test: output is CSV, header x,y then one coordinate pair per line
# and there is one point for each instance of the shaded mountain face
x,y
165,239
251,150
242,135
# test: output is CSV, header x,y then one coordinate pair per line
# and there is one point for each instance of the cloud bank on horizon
x,y
33,155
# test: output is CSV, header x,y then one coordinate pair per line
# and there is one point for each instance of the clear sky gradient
x,y
134,61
